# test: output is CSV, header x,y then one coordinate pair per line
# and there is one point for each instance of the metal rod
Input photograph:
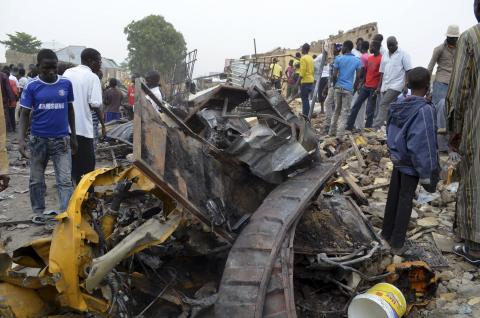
x,y
115,164
140,315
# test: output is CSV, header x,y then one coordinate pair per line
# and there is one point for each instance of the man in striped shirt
x,y
463,107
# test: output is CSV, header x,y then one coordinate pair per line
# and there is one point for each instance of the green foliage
x,y
22,42
153,44
124,65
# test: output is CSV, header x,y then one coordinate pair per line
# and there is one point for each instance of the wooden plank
x,y
357,191
370,188
359,155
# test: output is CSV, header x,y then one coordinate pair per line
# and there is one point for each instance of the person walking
x,y
443,56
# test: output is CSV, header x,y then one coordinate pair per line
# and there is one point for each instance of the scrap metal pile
x,y
223,192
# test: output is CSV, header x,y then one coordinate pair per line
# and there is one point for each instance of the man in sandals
x,y
463,107
47,99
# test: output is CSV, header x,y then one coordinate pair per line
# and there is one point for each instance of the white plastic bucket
x,y
381,301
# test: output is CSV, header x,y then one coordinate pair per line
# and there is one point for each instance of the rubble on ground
x,y
160,237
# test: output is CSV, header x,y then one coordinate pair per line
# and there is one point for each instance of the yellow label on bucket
x,y
392,295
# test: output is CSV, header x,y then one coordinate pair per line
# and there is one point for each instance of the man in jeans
x,y
330,100
347,67
306,78
394,68
49,98
443,56
369,88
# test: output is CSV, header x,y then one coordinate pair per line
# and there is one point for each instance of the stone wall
x,y
366,31
284,55
14,57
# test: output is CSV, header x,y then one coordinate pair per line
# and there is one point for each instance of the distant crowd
x,y
58,107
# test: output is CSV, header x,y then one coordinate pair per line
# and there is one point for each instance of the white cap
x,y
453,31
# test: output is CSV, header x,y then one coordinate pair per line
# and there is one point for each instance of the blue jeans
x,y
41,150
111,116
305,91
363,94
95,129
439,92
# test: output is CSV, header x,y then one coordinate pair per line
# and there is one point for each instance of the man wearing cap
x,y
443,56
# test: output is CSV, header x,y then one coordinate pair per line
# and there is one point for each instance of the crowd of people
x,y
369,86
59,106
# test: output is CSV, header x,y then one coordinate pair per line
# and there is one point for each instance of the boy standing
x,y
411,139
49,97
347,68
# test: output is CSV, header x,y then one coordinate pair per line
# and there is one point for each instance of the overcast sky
x,y
222,29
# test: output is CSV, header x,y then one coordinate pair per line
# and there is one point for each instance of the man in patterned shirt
x,y
463,108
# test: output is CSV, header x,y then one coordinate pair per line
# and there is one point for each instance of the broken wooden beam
x,y
359,155
369,188
357,191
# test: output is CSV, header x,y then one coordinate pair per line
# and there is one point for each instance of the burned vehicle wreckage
x,y
220,215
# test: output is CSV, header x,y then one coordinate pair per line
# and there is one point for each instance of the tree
x,y
22,42
124,65
153,44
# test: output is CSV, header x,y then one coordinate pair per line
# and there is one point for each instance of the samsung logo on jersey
x,y
51,106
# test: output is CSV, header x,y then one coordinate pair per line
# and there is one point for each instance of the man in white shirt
x,y
23,80
13,78
321,75
394,69
358,46
152,80
87,90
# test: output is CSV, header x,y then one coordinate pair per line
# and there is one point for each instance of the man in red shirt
x,y
131,94
131,91
368,90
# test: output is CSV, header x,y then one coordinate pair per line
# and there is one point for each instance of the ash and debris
x,y
190,264
432,224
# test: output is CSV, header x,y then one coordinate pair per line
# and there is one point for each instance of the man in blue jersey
x,y
48,99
